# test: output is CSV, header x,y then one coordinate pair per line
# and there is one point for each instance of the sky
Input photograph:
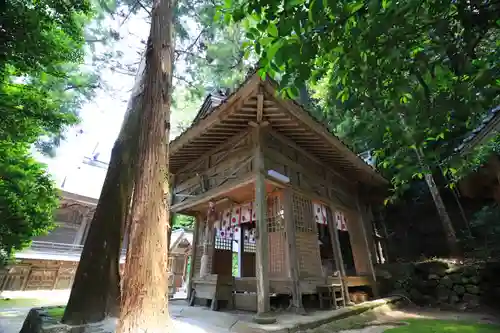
x,y
101,119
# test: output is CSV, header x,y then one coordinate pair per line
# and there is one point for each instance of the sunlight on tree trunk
x,y
449,230
96,290
144,299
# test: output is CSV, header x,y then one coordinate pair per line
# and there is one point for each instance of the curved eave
x,y
285,117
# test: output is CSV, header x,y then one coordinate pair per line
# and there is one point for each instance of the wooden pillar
x,y
262,238
337,251
293,264
193,255
368,248
56,278
241,248
79,237
28,277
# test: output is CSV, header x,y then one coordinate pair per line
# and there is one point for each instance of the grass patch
x,y
18,302
443,326
56,312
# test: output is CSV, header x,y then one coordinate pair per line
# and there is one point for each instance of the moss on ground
x,y
56,312
443,326
7,303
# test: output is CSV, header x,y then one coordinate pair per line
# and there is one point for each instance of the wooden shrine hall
x,y
271,187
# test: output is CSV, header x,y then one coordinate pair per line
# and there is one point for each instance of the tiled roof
x,y
209,106
484,129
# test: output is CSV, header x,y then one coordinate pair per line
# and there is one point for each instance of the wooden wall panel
x,y
222,262
33,274
226,164
307,174
248,264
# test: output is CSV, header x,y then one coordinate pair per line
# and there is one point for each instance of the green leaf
x,y
272,49
272,30
289,4
345,95
293,92
264,41
355,7
262,73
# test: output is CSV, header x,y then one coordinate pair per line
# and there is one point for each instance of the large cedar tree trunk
x,y
95,293
96,289
144,299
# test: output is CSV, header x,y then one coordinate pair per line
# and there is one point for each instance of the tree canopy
x,y
392,76
27,198
42,87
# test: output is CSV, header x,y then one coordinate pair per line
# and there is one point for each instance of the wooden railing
x,y
51,248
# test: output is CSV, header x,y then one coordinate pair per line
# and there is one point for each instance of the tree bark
x,y
449,230
144,306
96,289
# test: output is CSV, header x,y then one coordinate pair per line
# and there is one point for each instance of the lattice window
x,y
224,243
249,247
302,214
276,229
274,214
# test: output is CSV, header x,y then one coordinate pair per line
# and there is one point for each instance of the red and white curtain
x,y
321,217
231,219
320,213
341,221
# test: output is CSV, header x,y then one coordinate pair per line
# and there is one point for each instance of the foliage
x,y
484,240
28,197
183,222
42,87
234,264
477,158
398,77
41,84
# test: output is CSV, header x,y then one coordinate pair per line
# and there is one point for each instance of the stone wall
x,y
443,283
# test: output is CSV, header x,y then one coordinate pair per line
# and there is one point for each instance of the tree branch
x,y
91,86
427,91
180,78
121,72
144,7
193,43
179,52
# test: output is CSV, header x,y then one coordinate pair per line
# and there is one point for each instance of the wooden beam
x,y
235,156
262,238
292,144
214,193
261,124
275,155
230,142
304,117
260,107
310,195
193,255
293,264
220,113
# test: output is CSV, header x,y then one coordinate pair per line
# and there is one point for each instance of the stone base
x,y
264,318
39,320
